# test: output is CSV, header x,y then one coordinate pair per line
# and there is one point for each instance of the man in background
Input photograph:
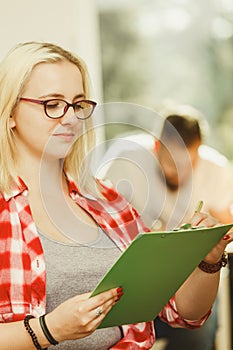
x,y
171,175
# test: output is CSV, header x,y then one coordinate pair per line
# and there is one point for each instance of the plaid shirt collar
x,y
16,190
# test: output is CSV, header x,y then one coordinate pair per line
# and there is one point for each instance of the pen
x,y
199,206
188,226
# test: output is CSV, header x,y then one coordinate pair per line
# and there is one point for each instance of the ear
x,y
12,123
156,145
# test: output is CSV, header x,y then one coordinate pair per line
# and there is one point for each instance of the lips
x,y
66,136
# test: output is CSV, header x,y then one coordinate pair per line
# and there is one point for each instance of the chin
x,y
58,150
172,186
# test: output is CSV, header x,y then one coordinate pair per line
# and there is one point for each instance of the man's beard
x,y
172,187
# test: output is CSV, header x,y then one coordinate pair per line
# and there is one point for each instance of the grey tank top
x,y
73,269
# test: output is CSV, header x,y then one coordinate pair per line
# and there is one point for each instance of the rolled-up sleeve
x,y
170,315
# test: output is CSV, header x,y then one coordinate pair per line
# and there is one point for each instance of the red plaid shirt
x,y
22,264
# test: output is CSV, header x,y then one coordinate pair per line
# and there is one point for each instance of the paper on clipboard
x,y
151,270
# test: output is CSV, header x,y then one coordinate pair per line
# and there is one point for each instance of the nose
x,y
68,116
71,121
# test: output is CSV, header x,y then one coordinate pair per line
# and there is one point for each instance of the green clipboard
x,y
151,270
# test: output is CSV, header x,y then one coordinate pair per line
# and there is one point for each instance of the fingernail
x,y
119,290
226,237
118,297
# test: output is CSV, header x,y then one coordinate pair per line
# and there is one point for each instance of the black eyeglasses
x,y
56,108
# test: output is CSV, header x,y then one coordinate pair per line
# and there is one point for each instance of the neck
x,y
37,174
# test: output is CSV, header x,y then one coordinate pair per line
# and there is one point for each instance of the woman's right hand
x,y
206,220
78,317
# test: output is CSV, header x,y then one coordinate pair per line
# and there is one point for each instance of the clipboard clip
x,y
187,227
183,227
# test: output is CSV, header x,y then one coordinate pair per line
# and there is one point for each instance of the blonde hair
x,y
15,70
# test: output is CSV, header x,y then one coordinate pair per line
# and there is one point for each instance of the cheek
x,y
26,120
169,168
32,132
78,127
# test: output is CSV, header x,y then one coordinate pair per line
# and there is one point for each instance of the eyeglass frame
x,y
68,105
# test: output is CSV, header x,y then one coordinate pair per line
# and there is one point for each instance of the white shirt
x,y
135,171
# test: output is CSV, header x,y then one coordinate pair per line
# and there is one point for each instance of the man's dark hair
x,y
177,125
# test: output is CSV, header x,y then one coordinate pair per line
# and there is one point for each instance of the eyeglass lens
x,y
58,108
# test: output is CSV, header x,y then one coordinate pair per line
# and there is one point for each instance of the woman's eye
x,y
78,106
54,104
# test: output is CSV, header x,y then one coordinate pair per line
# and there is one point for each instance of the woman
x,y
54,214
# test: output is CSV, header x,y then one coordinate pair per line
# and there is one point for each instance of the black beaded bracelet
x,y
31,332
213,268
46,331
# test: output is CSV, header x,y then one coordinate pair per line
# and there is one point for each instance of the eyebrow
x,y
56,95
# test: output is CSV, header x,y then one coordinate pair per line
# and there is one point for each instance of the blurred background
x,y
156,52
147,52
